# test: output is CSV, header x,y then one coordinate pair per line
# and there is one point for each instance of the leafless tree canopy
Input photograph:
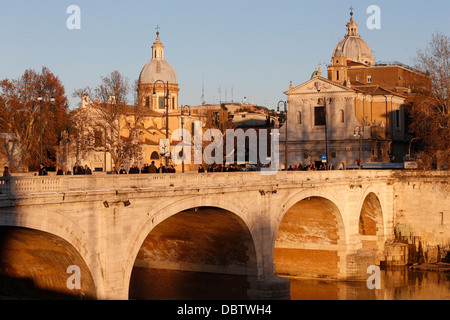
x,y
108,121
429,111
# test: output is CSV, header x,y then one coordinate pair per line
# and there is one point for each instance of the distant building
x,y
356,114
157,93
157,88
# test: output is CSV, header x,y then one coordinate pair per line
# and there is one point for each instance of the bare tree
x,y
430,108
108,121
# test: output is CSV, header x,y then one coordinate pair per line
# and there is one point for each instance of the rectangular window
x,y
369,79
161,103
319,116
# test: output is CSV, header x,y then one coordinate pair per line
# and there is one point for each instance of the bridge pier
x,y
271,287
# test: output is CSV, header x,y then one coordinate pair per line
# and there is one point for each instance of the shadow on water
x,y
396,284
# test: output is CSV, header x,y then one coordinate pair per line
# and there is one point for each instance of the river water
x,y
399,284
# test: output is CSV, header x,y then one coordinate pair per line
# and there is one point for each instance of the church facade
x,y
355,115
159,116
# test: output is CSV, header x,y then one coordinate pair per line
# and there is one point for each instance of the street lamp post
x,y
360,143
41,99
166,105
284,103
182,133
319,88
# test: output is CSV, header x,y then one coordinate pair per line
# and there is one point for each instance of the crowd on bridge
x,y
310,167
152,168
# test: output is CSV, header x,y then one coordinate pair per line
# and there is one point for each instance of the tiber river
x,y
400,284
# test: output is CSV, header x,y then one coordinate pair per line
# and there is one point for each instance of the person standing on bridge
x,y
122,170
42,170
77,169
87,170
161,169
134,169
6,172
152,168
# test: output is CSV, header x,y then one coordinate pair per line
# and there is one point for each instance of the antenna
x,y
203,92
226,92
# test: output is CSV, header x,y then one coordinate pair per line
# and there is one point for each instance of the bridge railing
x,y
16,185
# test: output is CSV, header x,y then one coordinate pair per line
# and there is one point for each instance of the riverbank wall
x,y
421,220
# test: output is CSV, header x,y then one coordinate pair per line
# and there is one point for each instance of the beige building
x,y
357,113
159,117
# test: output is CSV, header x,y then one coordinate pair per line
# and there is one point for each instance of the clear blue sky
x,y
252,48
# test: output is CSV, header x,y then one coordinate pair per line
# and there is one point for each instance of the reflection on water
x,y
400,284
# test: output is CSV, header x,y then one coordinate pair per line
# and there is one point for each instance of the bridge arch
x,y
207,225
371,226
63,228
35,264
310,236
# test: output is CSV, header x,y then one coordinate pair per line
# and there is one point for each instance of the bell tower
x,y
337,71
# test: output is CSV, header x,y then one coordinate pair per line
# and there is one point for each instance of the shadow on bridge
x,y
33,263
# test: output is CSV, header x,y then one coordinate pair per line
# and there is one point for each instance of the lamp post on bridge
x,y
319,88
284,103
361,134
360,143
42,99
182,130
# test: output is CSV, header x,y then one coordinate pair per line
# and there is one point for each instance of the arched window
x,y
154,156
299,118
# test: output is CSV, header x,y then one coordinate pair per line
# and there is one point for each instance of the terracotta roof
x,y
351,63
375,90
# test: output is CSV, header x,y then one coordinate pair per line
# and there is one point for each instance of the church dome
x,y
158,68
353,47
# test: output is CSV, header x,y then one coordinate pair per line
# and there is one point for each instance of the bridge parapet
x,y
13,186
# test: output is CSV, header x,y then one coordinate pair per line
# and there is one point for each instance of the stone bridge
x,y
191,236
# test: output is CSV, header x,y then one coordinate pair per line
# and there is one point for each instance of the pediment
x,y
318,85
